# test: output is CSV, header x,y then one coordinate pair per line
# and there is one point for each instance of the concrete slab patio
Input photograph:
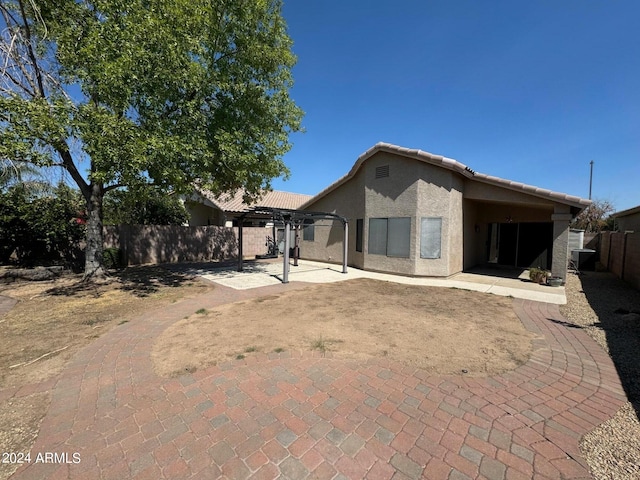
x,y
299,415
260,274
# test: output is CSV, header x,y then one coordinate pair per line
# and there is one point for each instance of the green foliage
x,y
14,173
173,92
111,257
143,206
41,228
538,275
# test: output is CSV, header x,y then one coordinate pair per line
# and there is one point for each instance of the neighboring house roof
x,y
455,166
626,213
273,198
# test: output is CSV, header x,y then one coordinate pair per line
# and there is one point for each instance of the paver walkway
x,y
300,416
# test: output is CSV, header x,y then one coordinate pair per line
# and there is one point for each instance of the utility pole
x,y
590,179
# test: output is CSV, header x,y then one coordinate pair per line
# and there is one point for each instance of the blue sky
x,y
528,91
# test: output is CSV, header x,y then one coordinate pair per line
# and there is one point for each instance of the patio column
x,y
285,260
560,258
345,247
240,252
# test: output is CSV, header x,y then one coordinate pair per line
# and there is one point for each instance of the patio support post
x,y
345,245
285,263
560,254
296,246
240,222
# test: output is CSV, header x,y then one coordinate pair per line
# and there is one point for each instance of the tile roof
x,y
455,166
273,198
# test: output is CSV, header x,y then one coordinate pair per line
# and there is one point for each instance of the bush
x,y
41,228
112,258
538,275
143,206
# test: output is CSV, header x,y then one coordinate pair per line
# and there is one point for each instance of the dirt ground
x,y
53,320
445,331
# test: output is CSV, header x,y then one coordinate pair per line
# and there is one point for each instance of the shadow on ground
x,y
617,306
142,281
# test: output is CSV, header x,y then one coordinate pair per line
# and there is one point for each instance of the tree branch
x,y
113,187
30,51
67,163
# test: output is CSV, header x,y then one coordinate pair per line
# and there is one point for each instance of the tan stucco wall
x,y
416,189
475,235
476,190
629,223
392,196
440,195
347,201
501,213
412,189
200,214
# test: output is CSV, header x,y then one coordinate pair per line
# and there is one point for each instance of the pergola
x,y
292,218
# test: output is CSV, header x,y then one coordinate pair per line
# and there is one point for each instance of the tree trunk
x,y
95,237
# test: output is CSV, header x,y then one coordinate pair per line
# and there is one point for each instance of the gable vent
x,y
382,171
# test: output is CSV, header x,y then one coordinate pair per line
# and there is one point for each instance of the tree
x,y
595,217
41,227
165,92
14,173
143,207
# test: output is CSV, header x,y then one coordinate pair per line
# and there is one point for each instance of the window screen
x,y
359,232
398,237
308,233
390,236
430,237
378,236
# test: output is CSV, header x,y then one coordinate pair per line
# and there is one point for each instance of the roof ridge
x,y
450,164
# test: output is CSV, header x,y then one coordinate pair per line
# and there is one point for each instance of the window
x,y
378,236
308,231
390,236
359,232
398,237
431,237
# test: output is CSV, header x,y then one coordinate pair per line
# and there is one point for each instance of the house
x,y
205,208
628,220
414,213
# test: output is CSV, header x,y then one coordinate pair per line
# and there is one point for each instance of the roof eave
x,y
627,212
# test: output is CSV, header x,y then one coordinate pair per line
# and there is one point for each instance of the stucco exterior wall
x,y
475,190
415,190
347,201
390,197
440,195
475,235
412,190
629,223
200,215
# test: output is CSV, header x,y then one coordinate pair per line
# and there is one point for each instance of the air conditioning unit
x,y
584,259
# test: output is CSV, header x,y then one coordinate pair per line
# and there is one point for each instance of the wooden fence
x,y
140,244
620,254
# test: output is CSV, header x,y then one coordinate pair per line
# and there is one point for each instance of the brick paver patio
x,y
299,415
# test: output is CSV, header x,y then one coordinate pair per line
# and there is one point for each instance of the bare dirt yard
x,y
52,320
445,331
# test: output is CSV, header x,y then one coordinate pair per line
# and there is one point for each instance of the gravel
x,y
609,311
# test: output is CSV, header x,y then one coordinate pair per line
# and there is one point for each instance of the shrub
x,y
112,257
538,275
41,227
